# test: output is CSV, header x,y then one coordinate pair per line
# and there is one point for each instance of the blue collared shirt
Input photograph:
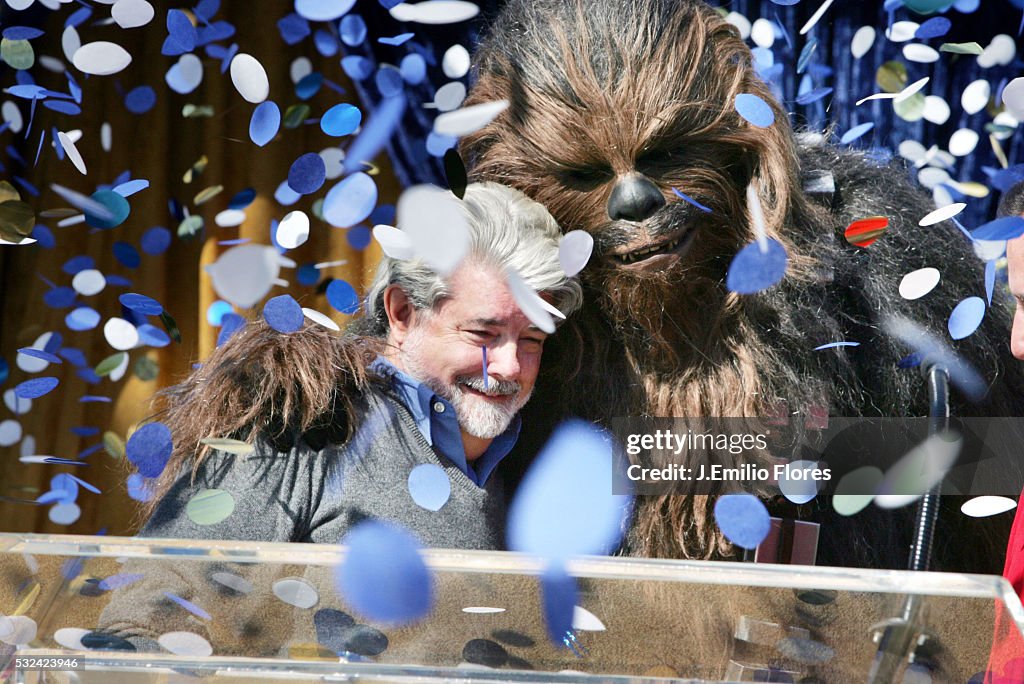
x,y
436,421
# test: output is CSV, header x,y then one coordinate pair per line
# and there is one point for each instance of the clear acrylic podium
x,y
271,612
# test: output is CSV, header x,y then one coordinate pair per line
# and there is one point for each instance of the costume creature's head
x,y
614,104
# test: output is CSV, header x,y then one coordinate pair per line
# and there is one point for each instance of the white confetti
x,y
943,214
470,119
863,41
101,58
812,22
985,506
249,78
917,284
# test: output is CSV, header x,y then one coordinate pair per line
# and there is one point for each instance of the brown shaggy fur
x,y
667,113
600,89
263,384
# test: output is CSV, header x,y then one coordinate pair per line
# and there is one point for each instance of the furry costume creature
x,y
615,102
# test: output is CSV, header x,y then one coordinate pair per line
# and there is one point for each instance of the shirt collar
x,y
441,428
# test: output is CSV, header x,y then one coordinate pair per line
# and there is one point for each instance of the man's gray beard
x,y
480,419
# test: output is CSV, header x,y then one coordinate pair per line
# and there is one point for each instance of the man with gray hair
x,y
404,418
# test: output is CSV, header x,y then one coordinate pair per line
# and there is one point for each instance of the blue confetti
x,y
77,264
754,110
560,595
692,201
138,490
182,34
1005,228
856,132
350,201
152,336
285,196
140,100
44,236
323,10
389,81
230,324
144,305
82,318
121,579
356,67
383,213
74,356
413,69
115,204
547,518
813,96
215,312
342,296
40,354
966,317
438,144
325,42
307,173
805,54
307,274
155,241
85,484
743,519
242,199
188,605
283,314
383,577
69,108
395,40
293,28
126,254
429,486
149,448
309,85
359,237
265,122
342,119
35,388
352,29
936,27
59,297
752,270
21,33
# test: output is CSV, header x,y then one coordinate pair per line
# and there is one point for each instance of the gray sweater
x,y
300,495
307,495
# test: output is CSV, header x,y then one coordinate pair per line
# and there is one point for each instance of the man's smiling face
x,y
443,348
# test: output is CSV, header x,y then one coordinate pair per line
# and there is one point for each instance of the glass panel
x,y
270,609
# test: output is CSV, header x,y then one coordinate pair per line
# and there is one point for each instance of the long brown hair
x,y
262,384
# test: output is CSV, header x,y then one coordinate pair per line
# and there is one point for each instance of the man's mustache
x,y
494,388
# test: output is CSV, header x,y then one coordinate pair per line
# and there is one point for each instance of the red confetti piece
x,y
865,231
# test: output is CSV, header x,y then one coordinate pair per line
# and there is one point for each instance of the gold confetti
x,y
231,446
16,220
113,444
196,171
892,77
208,194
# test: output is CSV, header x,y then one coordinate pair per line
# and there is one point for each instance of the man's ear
x,y
400,313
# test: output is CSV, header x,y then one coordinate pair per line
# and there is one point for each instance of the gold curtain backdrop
x,y
159,146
